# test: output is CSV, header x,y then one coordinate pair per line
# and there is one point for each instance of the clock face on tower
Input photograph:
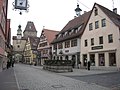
x,y
21,4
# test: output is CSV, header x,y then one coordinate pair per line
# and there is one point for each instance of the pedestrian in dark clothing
x,y
73,63
13,61
8,64
88,65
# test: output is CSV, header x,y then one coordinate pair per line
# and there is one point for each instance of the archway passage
x,y
18,56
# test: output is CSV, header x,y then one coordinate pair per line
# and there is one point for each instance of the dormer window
x,y
96,11
66,33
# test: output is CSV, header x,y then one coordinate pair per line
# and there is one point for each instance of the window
x,y
110,38
90,26
92,41
101,59
96,24
18,46
43,44
96,11
112,59
55,46
103,22
101,40
85,43
60,46
73,42
67,44
92,59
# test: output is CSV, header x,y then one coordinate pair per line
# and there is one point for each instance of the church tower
x,y
30,30
19,32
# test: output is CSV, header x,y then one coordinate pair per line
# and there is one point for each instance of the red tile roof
x,y
72,24
50,34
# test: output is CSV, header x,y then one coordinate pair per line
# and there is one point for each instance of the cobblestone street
x,y
31,78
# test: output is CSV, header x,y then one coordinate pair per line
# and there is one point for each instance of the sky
x,y
52,14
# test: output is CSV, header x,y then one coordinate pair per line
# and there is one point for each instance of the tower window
x,y
96,11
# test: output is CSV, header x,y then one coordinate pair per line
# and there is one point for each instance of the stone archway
x,y
18,56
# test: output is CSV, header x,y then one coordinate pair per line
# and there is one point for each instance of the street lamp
x,y
77,10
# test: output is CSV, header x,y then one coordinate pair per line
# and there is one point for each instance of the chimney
x,y
115,10
75,16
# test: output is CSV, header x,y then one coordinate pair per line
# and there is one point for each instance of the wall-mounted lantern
x,y
21,5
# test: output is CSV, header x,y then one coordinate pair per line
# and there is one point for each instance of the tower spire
x,y
19,32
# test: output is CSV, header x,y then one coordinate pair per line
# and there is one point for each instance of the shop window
x,y
101,60
112,59
66,58
85,60
61,58
92,59
54,57
57,57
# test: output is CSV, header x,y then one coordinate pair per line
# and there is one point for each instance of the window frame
x,y
90,26
96,24
86,43
103,22
92,41
73,42
110,38
101,40
67,44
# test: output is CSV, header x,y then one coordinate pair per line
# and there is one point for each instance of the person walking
x,y
8,64
88,65
13,61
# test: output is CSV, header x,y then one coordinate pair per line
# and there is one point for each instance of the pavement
x,y
80,72
8,80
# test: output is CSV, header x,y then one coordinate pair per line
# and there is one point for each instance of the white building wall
x,y
21,44
110,28
72,50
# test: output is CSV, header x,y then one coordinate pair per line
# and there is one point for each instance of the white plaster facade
x,y
107,48
69,52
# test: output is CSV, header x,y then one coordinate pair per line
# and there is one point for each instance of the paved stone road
x,y
110,80
30,78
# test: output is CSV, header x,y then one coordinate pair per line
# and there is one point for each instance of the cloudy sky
x,y
53,14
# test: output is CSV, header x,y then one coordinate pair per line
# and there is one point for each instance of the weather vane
x,y
21,5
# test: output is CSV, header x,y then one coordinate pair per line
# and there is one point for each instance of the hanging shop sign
x,y
21,4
